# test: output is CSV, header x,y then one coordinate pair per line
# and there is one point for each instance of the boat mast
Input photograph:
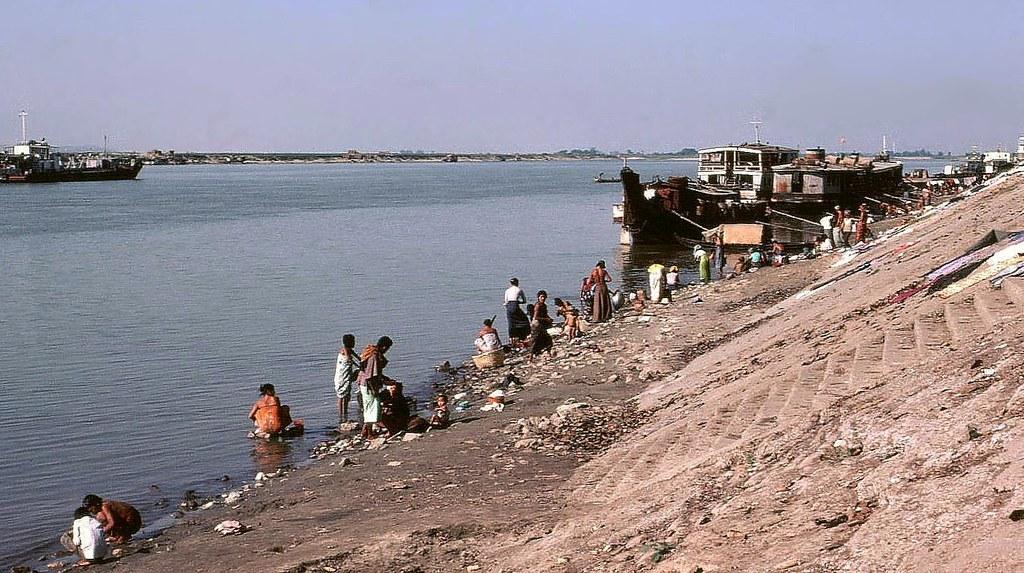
x,y
24,137
757,130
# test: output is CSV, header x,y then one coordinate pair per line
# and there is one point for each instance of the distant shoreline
x,y
171,158
318,158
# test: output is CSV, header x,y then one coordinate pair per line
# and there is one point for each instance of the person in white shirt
x,y
672,278
345,374
518,322
87,535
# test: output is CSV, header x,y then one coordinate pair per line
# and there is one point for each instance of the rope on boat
x,y
775,225
695,224
784,214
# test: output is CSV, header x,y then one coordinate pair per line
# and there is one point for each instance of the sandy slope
x,y
840,434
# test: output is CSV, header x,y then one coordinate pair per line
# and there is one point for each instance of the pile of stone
x,y
576,428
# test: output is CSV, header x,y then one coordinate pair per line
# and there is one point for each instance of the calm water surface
x,y
138,318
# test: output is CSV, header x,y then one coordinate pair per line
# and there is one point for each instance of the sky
x,y
517,76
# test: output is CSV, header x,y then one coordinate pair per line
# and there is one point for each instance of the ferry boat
x,y
745,167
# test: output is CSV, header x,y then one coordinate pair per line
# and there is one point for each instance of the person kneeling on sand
x,y
270,417
87,536
395,416
487,339
119,519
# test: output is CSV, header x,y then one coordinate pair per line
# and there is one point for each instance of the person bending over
x,y
119,519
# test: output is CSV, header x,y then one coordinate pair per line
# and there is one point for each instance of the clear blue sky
x,y
512,76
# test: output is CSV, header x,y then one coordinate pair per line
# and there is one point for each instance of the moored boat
x,y
756,184
34,161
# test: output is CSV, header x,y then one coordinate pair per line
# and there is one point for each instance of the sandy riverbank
x,y
827,431
490,471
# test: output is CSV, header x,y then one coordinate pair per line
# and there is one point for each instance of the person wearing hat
x,y
672,278
703,263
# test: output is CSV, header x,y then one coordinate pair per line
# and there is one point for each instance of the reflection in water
x,y
269,455
634,260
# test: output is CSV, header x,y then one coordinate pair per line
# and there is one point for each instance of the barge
x,y
754,184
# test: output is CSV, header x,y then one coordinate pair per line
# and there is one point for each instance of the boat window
x,y
711,157
747,157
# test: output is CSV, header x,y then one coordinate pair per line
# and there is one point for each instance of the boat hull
x,y
119,173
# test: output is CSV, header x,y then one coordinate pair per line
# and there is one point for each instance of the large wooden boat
x,y
754,183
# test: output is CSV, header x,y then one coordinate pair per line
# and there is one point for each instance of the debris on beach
x,y
577,428
231,527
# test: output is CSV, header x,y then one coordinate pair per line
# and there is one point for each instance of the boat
x,y
755,184
38,162
602,179
34,161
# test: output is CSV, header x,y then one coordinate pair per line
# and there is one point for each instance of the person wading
x,y
345,375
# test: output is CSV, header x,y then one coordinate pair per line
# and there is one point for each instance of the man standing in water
x,y
120,520
518,322
345,374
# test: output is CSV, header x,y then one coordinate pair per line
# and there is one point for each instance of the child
x,y
440,419
87,535
572,324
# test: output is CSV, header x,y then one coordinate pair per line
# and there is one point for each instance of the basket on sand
x,y
489,359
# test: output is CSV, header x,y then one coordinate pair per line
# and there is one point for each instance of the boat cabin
x,y
33,148
819,178
747,166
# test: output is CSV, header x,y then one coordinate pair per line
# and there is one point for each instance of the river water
x,y
138,318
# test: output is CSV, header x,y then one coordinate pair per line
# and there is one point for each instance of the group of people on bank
x,y
530,329
840,225
382,405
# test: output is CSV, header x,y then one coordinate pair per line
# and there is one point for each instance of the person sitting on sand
x,y
640,300
394,410
778,254
87,535
119,519
270,417
487,339
742,265
441,417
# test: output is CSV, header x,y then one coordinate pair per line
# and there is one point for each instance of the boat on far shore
x,y
34,161
602,179
38,162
